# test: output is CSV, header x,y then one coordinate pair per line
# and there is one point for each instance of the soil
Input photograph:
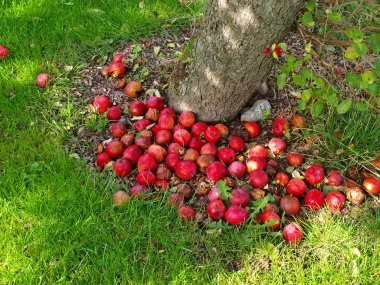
x,y
151,61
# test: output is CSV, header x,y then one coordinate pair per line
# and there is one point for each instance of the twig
x,y
342,44
187,8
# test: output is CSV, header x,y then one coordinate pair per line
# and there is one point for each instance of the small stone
x,y
256,112
263,89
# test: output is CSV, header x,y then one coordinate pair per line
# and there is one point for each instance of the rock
x,y
256,112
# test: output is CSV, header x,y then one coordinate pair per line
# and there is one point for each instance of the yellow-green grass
x,y
57,222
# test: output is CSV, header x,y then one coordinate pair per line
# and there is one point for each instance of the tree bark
x,y
227,63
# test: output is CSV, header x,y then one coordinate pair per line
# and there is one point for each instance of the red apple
x,y
155,103
334,178
3,52
114,113
258,151
116,70
139,190
115,148
280,126
226,155
143,142
213,194
216,210
254,163
176,148
178,127
314,199
146,178
290,205
182,137
101,104
196,143
186,119
186,169
222,129
119,57
212,134
277,145
253,129
172,159
335,201
372,185
209,148
166,122
294,159
236,169
268,217
186,213
42,79
204,161
132,153
191,154
240,197
314,175
296,187
161,185
198,129
258,178
157,151
236,215
102,159
163,137
122,167
120,199
237,143
293,233
282,179
118,129
142,124
146,162
216,171
168,112
137,108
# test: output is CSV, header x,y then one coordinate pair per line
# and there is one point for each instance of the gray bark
x,y
227,60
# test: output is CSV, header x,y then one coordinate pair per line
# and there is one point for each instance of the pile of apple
x,y
168,150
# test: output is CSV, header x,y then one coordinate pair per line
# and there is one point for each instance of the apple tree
x,y
224,63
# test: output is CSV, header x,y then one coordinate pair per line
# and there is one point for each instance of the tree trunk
x,y
227,63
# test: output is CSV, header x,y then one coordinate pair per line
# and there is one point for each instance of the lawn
x,y
57,222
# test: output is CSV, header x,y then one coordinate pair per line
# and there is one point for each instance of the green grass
x,y
57,224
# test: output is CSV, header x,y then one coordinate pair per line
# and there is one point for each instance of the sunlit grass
x,y
57,223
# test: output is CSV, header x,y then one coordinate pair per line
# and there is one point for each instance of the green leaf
x,y
302,105
298,80
281,81
316,108
260,204
332,99
369,77
361,107
223,189
377,67
307,19
334,16
355,79
355,51
310,5
283,46
318,81
374,42
306,94
344,106
373,89
355,35
305,73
